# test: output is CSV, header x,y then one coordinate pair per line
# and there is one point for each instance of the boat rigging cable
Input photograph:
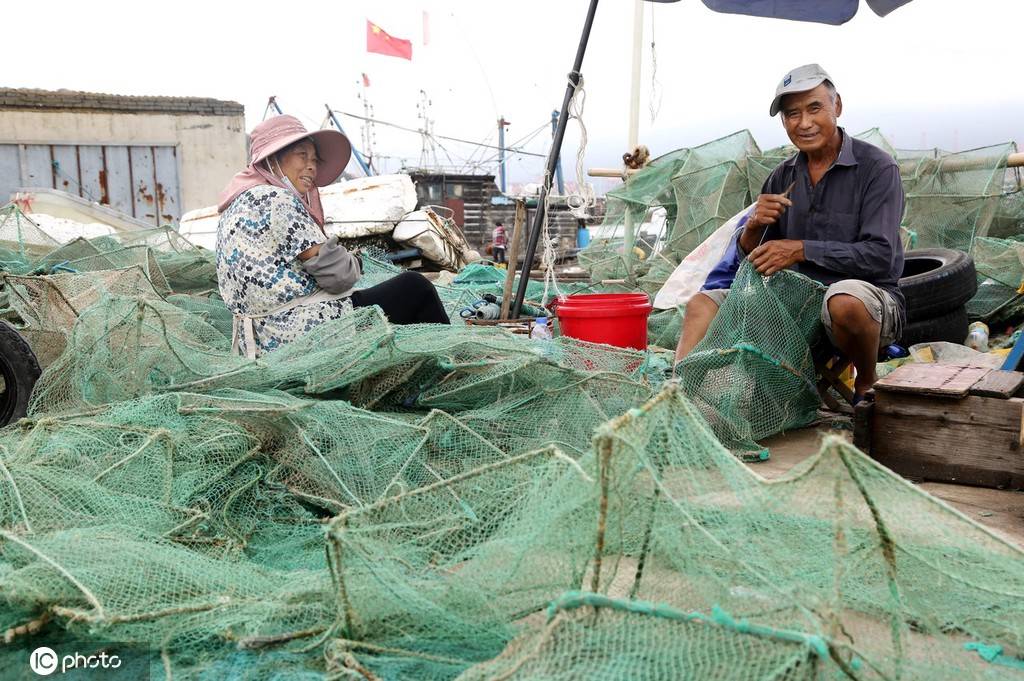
x,y
525,139
444,137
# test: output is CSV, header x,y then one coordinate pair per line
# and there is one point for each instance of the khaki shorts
x,y
880,304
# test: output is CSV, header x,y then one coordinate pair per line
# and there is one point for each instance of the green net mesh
x,y
753,373
675,541
673,204
21,240
1000,267
952,199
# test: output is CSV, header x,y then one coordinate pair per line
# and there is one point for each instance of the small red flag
x,y
366,80
378,40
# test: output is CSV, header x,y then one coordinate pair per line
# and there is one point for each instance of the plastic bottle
x,y
541,330
977,337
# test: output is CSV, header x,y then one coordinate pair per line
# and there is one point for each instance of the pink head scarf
x,y
273,135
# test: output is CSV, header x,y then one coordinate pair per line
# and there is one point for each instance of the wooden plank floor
x,y
1000,510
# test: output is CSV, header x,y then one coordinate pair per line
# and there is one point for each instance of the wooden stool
x,y
829,372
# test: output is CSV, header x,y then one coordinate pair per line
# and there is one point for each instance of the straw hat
x,y
274,134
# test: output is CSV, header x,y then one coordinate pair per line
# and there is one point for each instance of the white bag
x,y
437,237
688,277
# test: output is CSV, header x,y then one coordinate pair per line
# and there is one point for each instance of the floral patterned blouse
x,y
259,238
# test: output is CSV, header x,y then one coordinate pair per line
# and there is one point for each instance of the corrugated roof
x,y
74,100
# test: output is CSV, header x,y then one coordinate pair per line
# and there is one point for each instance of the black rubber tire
x,y
936,281
950,327
20,371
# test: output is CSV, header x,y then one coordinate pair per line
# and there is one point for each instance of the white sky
x,y
933,73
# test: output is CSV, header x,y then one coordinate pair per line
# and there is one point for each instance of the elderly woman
x,y
277,270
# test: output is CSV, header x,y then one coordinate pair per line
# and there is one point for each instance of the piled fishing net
x,y
1000,267
606,255
952,199
681,198
21,240
706,199
243,519
664,327
657,554
168,495
753,373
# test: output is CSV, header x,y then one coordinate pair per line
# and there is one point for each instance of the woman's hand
x,y
310,252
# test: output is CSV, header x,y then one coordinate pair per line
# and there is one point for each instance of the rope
x,y
654,99
550,253
582,199
572,600
579,202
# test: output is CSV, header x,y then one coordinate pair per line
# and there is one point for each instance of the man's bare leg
x,y
700,311
856,334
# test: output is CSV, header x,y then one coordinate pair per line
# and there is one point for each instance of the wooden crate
x,y
947,424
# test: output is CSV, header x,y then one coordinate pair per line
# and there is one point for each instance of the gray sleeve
x,y
871,256
334,268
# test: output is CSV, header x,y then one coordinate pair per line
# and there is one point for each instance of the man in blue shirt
x,y
831,212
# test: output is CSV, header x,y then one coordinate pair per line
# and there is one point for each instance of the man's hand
x,y
769,258
768,209
765,212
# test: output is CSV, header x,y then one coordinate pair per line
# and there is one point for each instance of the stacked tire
x,y
937,283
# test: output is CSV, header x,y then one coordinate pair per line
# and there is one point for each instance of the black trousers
x,y
408,298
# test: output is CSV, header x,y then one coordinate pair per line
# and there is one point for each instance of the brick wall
x,y
71,100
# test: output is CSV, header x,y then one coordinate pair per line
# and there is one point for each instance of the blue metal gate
x,y
141,181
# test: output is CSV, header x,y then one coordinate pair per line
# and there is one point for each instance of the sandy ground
x,y
999,510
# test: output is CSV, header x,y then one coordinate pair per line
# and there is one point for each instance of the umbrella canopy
x,y
833,12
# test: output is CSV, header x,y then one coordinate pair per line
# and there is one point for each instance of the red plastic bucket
x,y
587,298
618,319
598,299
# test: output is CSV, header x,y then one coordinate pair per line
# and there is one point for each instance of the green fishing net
x,y
1000,267
753,373
678,200
953,199
657,554
167,495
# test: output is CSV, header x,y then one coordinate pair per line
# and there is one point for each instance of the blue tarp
x,y
820,11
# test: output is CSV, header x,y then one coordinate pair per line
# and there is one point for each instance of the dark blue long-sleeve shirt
x,y
850,221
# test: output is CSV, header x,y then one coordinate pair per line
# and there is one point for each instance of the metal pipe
x,y
556,148
355,152
633,134
1015,160
501,151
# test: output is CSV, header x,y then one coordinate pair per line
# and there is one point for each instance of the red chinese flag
x,y
377,40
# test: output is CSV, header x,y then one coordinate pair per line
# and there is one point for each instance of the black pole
x,y
556,149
